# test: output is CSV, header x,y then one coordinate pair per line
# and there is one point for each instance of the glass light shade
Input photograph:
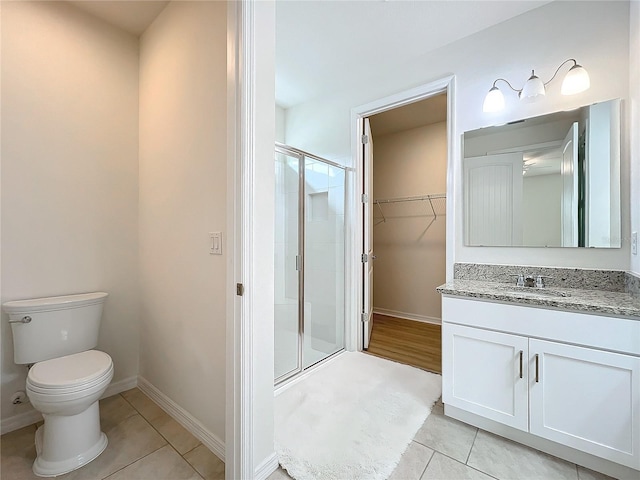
x,y
575,81
494,101
533,88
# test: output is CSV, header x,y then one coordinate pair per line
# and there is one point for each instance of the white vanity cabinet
x,y
587,399
482,373
571,378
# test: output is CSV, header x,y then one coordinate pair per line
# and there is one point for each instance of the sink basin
x,y
538,292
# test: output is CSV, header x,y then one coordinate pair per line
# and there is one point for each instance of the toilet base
x,y
66,443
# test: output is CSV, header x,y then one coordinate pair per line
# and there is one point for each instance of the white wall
x,y
69,172
182,198
595,33
410,249
634,116
280,124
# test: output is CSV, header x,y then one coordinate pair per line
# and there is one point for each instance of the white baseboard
x,y
18,421
267,467
32,416
120,386
407,316
183,417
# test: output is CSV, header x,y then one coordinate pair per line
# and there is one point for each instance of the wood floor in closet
x,y
406,341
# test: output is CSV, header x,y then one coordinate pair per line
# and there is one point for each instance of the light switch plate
x,y
634,243
215,245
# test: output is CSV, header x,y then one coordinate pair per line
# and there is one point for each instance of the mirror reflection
x,y
548,181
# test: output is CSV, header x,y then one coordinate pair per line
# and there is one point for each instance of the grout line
x,y
424,445
577,472
136,412
136,460
449,456
482,472
466,462
131,404
165,438
189,451
433,454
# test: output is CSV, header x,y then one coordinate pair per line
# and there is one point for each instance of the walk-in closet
x,y
409,147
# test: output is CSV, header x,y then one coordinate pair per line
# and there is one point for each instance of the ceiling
x,y
131,16
327,46
418,114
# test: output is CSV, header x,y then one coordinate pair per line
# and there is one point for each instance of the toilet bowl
x,y
57,336
66,391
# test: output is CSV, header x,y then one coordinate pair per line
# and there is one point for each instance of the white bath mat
x,y
353,418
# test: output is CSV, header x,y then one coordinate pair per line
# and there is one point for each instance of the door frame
x,y
249,402
354,295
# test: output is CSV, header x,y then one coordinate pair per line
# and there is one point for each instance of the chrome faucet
x,y
540,281
529,281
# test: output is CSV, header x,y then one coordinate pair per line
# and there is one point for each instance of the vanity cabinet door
x,y
586,399
485,373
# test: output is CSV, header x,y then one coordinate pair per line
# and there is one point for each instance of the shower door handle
x,y
298,263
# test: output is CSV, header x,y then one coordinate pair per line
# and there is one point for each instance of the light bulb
x,y
533,88
494,101
575,81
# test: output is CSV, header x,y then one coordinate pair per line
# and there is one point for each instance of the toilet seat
x,y
71,373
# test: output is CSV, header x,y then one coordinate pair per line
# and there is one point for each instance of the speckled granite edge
x,y
632,284
584,279
587,301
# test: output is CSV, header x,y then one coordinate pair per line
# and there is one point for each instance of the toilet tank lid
x,y
53,303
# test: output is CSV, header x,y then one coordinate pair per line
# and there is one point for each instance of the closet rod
x,y
411,199
428,198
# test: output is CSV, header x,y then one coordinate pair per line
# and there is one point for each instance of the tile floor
x,y
445,449
144,444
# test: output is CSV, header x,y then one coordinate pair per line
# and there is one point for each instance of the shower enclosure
x,y
309,260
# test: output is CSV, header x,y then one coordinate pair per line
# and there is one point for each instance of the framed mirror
x,y
548,181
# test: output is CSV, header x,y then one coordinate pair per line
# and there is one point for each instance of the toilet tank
x,y
58,326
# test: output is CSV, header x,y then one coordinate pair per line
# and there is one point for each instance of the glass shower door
x,y
324,198
287,282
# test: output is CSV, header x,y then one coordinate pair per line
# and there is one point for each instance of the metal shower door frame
x,y
300,257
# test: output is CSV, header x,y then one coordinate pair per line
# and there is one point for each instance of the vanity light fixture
x,y
575,81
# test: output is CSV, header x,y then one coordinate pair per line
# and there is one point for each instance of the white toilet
x,y
57,335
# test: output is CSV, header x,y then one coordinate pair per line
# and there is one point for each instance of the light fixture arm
x,y
558,69
507,82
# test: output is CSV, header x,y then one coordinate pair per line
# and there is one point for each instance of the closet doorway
x,y
405,153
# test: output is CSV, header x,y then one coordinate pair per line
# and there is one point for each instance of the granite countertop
x,y
590,301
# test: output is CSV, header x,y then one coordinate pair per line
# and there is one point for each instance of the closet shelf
x,y
437,203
